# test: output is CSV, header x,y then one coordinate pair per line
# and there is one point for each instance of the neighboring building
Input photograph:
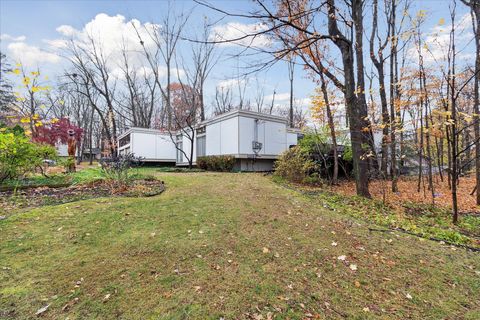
x,y
93,153
254,139
62,149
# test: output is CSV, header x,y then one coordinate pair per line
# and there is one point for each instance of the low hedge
x,y
216,163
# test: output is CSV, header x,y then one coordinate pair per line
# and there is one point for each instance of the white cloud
x,y
56,44
243,34
278,97
230,83
303,102
162,73
66,30
31,55
110,34
436,42
7,37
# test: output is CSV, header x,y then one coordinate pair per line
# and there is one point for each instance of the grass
x,y
37,180
228,245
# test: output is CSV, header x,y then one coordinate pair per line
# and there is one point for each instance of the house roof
x,y
244,113
143,130
221,117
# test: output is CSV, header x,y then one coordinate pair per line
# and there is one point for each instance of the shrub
x,y
295,165
42,152
67,163
18,155
216,163
117,169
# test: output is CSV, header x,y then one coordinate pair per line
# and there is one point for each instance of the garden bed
x,y
35,196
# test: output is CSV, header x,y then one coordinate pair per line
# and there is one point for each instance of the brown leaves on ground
x,y
407,191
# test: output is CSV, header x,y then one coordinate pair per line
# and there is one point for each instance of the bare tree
x,y
204,59
166,39
378,60
141,97
223,100
92,78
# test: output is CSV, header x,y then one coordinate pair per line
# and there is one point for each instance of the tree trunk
x,y
379,65
331,125
356,108
476,101
290,77
393,97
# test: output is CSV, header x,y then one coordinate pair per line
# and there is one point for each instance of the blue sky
x,y
30,23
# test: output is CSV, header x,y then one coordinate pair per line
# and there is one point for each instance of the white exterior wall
x,y
213,134
275,138
164,147
143,145
186,145
247,131
272,134
222,137
62,149
292,139
151,145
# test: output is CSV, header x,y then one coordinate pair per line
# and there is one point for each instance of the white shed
x,y
152,145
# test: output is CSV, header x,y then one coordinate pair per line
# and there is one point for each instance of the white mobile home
x,y
254,139
152,145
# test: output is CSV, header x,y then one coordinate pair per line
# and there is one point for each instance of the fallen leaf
x,y
107,296
409,297
334,244
353,267
42,310
266,250
342,258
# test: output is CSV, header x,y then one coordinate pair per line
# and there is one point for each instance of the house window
x,y
201,146
124,141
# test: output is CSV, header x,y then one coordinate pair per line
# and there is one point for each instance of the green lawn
x,y
224,245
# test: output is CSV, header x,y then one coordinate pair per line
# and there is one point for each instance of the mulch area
x,y
39,196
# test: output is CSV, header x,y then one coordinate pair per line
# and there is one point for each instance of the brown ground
x,y
407,187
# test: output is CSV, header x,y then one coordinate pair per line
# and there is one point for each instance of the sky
x,y
30,32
